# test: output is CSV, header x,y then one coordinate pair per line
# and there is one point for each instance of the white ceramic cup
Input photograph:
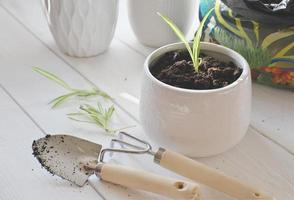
x,y
197,123
150,29
82,28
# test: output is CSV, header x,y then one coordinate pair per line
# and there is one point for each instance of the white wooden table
x,y
265,158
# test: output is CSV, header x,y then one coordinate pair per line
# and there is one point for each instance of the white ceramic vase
x,y
197,123
82,28
150,29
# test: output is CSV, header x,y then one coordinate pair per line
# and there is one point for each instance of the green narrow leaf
x,y
196,42
100,108
88,109
79,120
110,112
59,100
97,115
85,93
89,93
179,33
101,93
108,115
75,114
120,129
52,77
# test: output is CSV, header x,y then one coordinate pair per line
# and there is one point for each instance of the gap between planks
x,y
270,139
22,109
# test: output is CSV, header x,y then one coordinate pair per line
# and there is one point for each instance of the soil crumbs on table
x,y
176,68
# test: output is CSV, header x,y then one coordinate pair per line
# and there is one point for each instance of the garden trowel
x,y
76,159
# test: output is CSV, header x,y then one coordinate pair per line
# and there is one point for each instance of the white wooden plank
x,y
273,114
269,105
34,97
253,153
21,175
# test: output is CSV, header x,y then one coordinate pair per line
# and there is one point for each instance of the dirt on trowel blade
x,y
67,156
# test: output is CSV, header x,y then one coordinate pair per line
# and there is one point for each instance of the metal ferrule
x,y
158,155
98,169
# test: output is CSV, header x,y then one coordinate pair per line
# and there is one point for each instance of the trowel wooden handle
x,y
142,180
208,176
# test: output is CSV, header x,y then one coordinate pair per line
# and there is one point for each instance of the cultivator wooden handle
x,y
142,180
202,174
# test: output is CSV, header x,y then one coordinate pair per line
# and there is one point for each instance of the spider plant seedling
x,y
73,92
195,50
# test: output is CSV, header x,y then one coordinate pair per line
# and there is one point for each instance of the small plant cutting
x,y
99,115
72,92
190,68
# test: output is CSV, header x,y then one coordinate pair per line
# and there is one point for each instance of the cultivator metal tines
x,y
128,144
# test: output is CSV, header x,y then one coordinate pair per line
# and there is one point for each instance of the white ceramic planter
x,y
197,123
82,28
150,29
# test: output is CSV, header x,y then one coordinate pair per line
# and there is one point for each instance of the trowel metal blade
x,y
64,155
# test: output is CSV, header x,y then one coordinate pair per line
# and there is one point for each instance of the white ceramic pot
x,y
82,28
197,123
150,29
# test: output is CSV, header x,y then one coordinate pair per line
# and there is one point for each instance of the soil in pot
x,y
176,68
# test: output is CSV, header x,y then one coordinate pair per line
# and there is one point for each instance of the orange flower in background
x,y
274,70
279,75
283,78
291,75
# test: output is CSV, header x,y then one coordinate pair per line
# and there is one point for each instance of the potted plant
x,y
195,98
151,30
82,28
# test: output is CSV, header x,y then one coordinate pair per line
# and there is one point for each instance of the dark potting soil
x,y
39,149
176,68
